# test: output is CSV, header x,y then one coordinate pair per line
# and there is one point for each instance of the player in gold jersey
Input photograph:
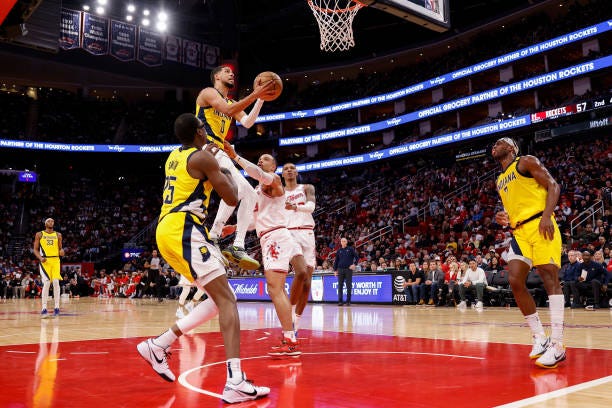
x,y
48,249
216,111
529,195
191,174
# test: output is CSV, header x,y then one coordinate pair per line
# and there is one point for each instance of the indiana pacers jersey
x,y
49,244
216,124
522,196
181,191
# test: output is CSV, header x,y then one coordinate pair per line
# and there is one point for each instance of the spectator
x,y
474,280
593,278
568,274
414,277
434,279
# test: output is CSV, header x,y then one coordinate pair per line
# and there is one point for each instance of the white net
x,y
335,19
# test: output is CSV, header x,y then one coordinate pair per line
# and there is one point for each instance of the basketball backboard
x,y
431,14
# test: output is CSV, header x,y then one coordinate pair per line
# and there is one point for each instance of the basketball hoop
x,y
335,19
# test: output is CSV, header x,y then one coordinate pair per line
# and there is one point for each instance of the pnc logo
x,y
116,148
394,122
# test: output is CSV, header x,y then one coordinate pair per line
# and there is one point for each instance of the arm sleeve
x,y
307,208
254,171
248,120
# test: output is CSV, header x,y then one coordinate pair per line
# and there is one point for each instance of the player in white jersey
x,y
300,203
183,308
278,247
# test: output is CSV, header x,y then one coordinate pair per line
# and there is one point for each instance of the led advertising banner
x,y
446,78
366,288
491,94
27,176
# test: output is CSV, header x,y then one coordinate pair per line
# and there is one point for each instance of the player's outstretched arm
x,y
211,97
250,168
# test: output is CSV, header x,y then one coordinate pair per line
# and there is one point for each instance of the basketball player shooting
x,y
216,111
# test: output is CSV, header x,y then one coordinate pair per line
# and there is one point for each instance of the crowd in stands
x,y
429,210
394,213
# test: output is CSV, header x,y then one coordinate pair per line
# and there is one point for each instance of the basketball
x,y
275,90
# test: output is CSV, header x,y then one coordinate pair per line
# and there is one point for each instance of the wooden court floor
x,y
359,356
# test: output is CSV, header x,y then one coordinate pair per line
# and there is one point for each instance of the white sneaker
x,y
157,357
189,306
479,305
180,312
540,344
462,305
244,391
554,354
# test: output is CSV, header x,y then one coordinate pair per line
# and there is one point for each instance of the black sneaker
x,y
239,256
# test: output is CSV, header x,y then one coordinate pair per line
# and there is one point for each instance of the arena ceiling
x,y
282,35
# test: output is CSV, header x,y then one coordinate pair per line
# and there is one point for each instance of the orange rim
x,y
358,4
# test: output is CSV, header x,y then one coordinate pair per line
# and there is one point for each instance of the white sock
x,y
296,322
223,213
535,324
290,335
184,294
56,293
198,295
555,305
45,294
165,339
234,371
245,213
203,312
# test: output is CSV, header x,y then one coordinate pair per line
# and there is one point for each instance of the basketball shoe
x,y
56,312
540,344
462,305
286,348
181,312
554,354
245,390
157,357
239,256
44,314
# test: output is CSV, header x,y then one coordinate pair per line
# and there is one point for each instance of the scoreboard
x,y
572,109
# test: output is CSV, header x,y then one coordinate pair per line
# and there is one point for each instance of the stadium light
x,y
131,8
102,2
161,26
145,22
100,10
146,12
86,7
129,17
162,16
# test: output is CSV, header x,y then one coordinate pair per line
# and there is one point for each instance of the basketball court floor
x,y
359,356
